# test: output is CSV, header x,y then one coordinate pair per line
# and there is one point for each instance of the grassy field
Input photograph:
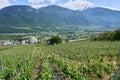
x,y
84,60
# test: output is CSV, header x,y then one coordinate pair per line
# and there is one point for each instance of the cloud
x,y
70,4
112,8
4,3
38,6
53,1
14,1
36,1
41,3
77,4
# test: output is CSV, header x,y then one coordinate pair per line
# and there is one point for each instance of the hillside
x,y
103,17
21,18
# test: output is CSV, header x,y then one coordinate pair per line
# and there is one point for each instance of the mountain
x,y
22,18
14,18
54,15
103,17
25,18
17,15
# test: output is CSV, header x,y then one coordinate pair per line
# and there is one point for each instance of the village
x,y
45,37
29,40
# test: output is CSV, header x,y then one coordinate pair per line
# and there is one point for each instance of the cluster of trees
x,y
54,40
110,35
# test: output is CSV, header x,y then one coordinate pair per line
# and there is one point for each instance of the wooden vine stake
x,y
116,75
1,66
24,61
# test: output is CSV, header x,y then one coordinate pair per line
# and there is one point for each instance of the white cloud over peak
x,y
110,8
53,1
70,4
77,4
38,6
41,3
4,3
36,1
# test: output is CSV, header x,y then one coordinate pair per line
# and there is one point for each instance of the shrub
x,y
109,35
55,40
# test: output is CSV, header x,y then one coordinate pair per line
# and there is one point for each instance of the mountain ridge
x,y
55,18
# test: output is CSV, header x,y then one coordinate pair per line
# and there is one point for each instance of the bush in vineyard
x,y
54,40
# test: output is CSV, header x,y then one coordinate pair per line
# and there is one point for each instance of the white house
x,y
6,43
32,40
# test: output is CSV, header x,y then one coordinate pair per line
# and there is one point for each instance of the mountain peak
x,y
52,6
17,8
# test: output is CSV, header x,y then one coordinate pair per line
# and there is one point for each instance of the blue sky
x,y
113,4
71,4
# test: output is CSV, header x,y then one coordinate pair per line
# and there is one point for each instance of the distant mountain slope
x,y
55,15
103,17
17,15
22,18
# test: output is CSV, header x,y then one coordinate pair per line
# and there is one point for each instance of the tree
x,y
55,40
110,35
117,35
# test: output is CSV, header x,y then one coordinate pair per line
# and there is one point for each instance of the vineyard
x,y
82,60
